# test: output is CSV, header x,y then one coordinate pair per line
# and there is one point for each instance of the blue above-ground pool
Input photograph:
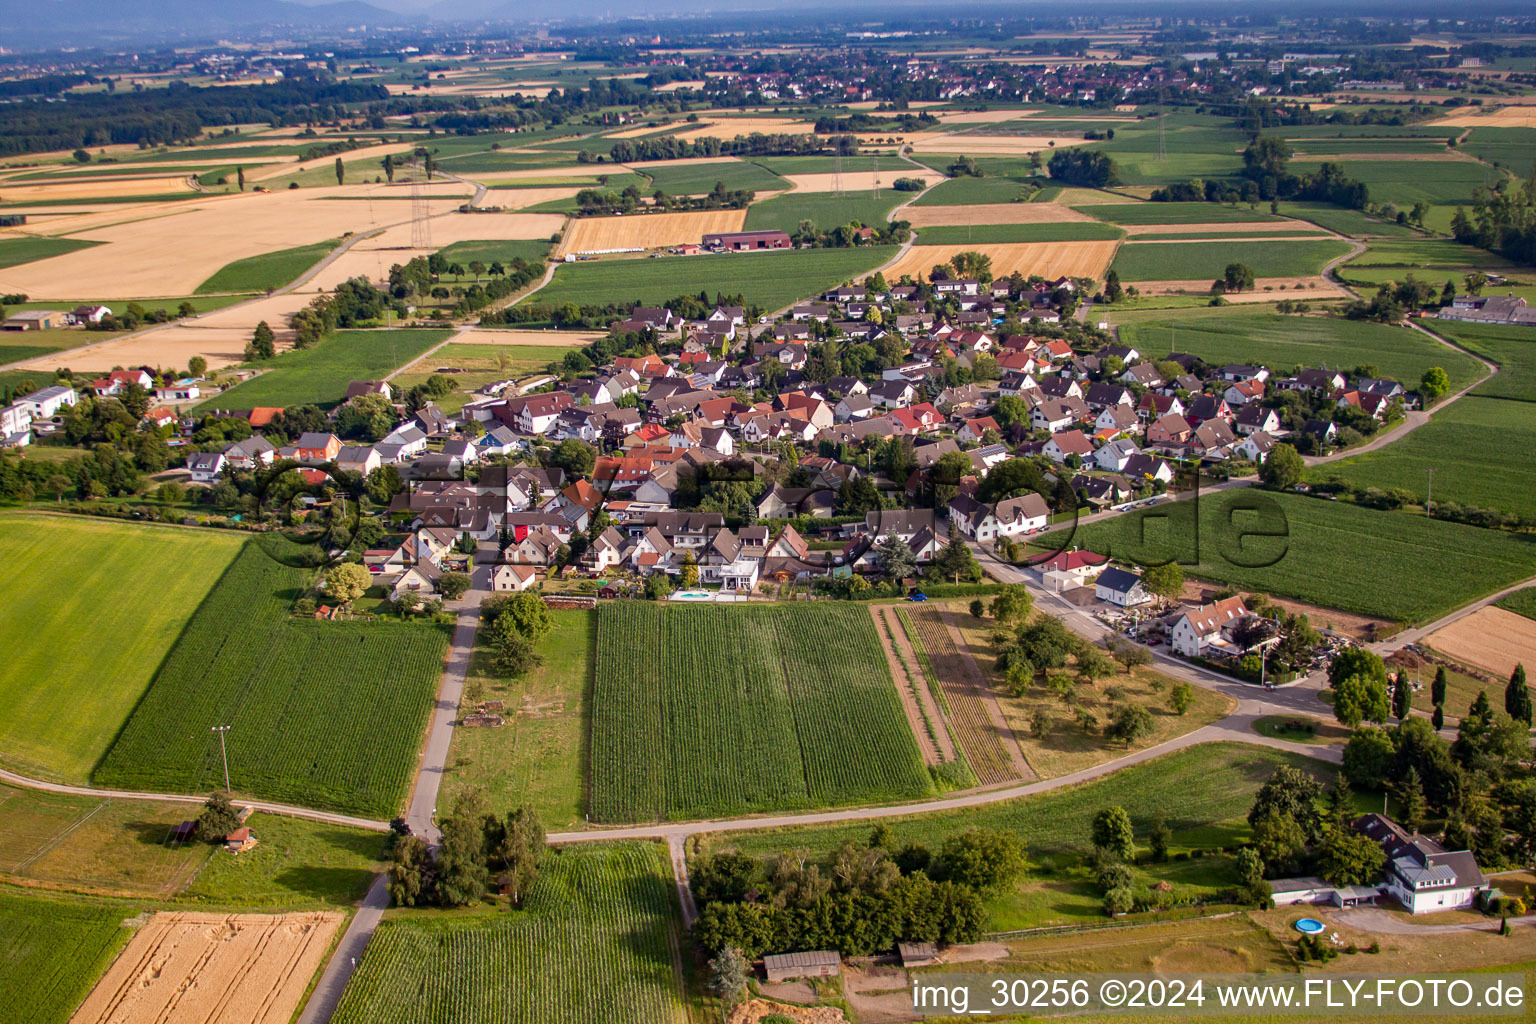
x,y
1309,925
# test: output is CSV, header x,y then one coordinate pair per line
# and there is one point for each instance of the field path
x,y
912,691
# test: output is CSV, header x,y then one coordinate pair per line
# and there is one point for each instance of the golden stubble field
x,y
176,248
860,181
992,213
1491,639
1049,259
191,968
646,230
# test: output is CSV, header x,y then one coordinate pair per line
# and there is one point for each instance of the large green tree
x,y
1282,469
1113,832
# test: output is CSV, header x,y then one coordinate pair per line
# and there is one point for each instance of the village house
x,y
205,467
1010,517
1121,588
316,447
1198,632
508,577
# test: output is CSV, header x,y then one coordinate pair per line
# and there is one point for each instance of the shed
x,y
918,954
240,840
820,963
184,832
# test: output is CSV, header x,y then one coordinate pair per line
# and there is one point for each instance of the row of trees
x,y
478,850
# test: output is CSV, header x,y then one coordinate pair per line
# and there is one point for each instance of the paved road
x,y
1371,919
349,952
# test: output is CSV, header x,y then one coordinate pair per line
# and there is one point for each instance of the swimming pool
x,y
1309,926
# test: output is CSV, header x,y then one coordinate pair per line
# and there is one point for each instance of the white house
x,y
1008,518
1112,457
205,467
46,403
1255,447
1422,875
1197,630
1121,588
409,438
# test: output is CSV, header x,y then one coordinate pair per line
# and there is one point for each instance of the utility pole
x,y
1429,498
223,750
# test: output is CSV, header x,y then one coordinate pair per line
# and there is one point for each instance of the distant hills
x,y
88,23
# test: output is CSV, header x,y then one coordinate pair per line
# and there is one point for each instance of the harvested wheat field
x,y
992,145
859,181
186,968
1506,117
1090,197
992,213
1491,639
172,254
728,128
94,189
981,116
544,173
375,153
1049,259
646,230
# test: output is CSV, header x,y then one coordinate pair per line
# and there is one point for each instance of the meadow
x,y
823,209
595,942
1405,182
768,279
1327,553
319,375
1521,602
1202,792
1514,148
323,714
16,251
1512,347
1227,335
1175,213
696,179
52,951
1161,261
707,711
269,270
1065,231
1345,221
1174,147
94,606
502,250
539,758
968,190
1468,445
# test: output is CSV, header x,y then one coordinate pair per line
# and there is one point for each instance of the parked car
x,y
919,596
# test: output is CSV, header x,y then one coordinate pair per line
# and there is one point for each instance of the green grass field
x,y
768,279
823,209
1221,236
1345,221
1512,347
1228,335
320,375
1467,444
1176,213
298,864
1405,182
16,251
52,950
502,250
1203,792
1514,148
1003,233
93,609
269,270
1175,147
703,711
1332,554
596,942
696,179
967,191
539,758
1521,602
1427,254
1160,261
322,714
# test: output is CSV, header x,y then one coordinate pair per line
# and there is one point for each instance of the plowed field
x,y
646,231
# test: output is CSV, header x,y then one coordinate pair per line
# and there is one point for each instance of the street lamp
x,y
224,751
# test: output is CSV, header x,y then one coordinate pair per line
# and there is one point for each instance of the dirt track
x,y
912,687
187,968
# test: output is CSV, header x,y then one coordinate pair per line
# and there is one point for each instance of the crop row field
x,y
696,179
1512,347
1164,261
92,608
823,209
1176,213
942,663
711,711
1408,181
768,279
322,714
1225,335
595,943
319,375
51,953
1331,554
989,234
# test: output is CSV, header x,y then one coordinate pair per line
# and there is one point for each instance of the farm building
x,y
917,954
240,840
33,320
746,241
820,963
